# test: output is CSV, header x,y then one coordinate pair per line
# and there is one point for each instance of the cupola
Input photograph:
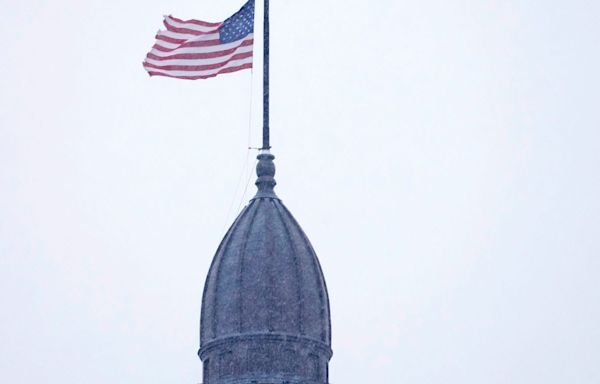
x,y
265,309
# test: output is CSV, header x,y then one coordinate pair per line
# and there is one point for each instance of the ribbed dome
x,y
265,277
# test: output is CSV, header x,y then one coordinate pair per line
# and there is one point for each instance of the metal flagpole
x,y
266,139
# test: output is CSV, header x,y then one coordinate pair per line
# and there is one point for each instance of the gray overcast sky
x,y
442,157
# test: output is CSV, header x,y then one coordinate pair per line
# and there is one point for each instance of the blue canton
x,y
239,25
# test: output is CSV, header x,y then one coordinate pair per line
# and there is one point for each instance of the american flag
x,y
194,49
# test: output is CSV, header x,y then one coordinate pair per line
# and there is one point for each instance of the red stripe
x,y
191,44
197,22
226,70
187,30
206,55
199,67
170,39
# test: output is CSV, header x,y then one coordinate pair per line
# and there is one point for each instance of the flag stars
x,y
239,25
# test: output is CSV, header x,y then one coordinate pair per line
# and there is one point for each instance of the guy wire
x,y
246,159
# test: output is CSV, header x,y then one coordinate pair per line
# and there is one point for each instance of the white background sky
x,y
442,156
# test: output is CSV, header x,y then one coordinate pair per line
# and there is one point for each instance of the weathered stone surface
x,y
265,308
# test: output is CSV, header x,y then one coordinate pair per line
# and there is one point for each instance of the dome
x,y
265,276
265,284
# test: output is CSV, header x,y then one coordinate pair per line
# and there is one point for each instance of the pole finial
x,y
265,170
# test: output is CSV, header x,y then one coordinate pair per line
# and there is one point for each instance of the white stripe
x,y
212,60
195,27
209,72
212,48
164,44
212,36
187,36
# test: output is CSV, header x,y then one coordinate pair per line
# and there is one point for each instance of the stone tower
x,y
265,309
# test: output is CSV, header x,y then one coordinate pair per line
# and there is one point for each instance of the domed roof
x,y
265,277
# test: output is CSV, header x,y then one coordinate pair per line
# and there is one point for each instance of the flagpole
x,y
266,133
